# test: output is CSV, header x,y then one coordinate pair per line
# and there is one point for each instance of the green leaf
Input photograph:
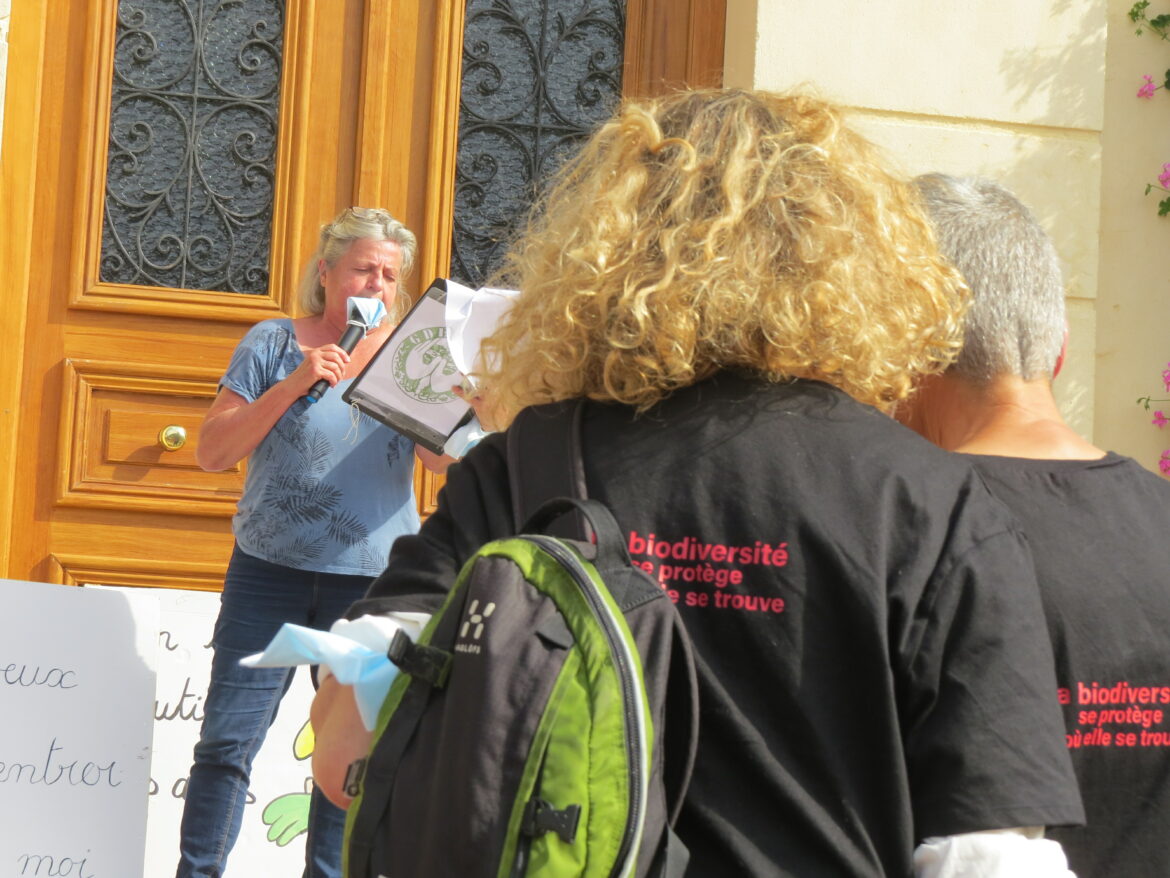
x,y
1164,206
1166,81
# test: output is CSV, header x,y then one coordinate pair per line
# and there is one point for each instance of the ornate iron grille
x,y
192,150
538,77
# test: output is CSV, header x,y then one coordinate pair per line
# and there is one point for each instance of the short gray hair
x,y
1015,324
354,224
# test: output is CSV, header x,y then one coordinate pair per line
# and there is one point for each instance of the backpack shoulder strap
x,y
544,462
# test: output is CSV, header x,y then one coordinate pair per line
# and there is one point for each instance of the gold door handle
x,y
172,437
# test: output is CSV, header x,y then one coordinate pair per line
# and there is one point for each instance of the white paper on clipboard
x,y
471,317
408,384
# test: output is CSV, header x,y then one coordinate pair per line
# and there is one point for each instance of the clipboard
x,y
407,385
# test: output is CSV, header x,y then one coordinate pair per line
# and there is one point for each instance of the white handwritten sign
x,y
77,678
272,838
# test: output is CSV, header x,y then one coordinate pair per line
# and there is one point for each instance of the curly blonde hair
x,y
716,229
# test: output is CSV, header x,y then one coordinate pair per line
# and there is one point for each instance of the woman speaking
x,y
326,493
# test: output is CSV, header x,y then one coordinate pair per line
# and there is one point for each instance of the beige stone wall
x,y
1038,94
1133,306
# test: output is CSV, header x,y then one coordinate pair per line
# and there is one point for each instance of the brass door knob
x,y
172,437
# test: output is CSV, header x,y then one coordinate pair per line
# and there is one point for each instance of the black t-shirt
x,y
1098,533
872,658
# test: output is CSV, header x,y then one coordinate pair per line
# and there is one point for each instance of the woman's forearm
x,y
234,427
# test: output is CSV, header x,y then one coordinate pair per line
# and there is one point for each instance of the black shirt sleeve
x,y
983,729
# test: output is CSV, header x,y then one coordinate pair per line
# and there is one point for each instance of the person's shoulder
x,y
485,462
866,446
1131,466
855,421
861,437
1109,467
1133,474
269,342
549,410
879,441
274,330
491,447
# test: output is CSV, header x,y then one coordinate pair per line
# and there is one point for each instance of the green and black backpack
x,y
545,723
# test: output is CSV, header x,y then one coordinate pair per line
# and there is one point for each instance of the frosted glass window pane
x,y
538,77
192,150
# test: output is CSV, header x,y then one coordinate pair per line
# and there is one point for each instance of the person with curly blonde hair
x,y
728,291
725,230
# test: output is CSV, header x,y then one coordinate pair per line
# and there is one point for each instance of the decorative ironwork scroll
x,y
538,77
192,150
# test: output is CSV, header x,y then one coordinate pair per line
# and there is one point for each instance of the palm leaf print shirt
x,y
329,488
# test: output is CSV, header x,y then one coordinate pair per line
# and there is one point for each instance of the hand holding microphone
x,y
363,315
349,339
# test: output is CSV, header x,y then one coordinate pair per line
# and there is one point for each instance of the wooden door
x,y
108,368
98,374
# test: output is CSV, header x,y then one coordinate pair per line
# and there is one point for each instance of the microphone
x,y
364,315
349,339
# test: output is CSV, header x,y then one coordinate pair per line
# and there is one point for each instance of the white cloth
x,y
1001,853
353,651
471,316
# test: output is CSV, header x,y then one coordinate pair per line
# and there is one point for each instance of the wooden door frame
x,y
18,168
673,44
421,193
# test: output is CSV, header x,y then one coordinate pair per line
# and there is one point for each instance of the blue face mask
x,y
465,438
365,312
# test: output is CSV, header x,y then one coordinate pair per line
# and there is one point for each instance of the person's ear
x,y
1063,350
321,268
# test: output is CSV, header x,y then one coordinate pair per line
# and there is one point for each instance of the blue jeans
x,y
258,597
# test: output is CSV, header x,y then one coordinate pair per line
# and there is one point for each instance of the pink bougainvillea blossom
x,y
1148,88
1164,177
1166,377
1164,462
1160,420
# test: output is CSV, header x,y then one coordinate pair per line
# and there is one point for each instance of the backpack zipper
x,y
633,704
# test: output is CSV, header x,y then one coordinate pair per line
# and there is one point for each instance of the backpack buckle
x,y
354,775
427,663
541,817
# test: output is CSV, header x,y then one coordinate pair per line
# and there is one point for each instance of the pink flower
x,y
1164,462
1160,420
1148,88
1164,177
1166,377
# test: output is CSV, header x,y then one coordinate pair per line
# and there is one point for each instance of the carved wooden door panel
x,y
166,166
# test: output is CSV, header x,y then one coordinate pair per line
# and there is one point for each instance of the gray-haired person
x,y
323,500
1096,522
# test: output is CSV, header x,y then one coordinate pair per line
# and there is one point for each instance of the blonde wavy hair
x,y
717,229
342,232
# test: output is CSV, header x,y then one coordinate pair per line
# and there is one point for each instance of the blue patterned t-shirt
x,y
329,488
